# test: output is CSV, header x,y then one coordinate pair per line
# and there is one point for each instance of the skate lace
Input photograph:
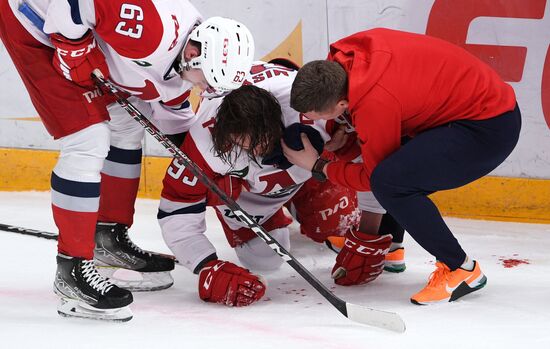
x,y
93,278
133,246
440,275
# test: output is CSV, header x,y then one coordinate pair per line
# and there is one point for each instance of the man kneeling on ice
x,y
236,142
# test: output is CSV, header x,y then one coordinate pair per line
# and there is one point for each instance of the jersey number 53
x,y
176,170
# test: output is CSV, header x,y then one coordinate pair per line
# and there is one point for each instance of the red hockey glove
x,y
77,59
226,283
361,259
231,185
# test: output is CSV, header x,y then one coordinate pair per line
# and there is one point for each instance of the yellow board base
x,y
491,198
24,170
498,198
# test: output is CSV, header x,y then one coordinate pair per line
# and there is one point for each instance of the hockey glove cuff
x,y
361,259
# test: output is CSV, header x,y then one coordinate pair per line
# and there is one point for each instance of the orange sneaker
x,y
335,243
445,285
395,261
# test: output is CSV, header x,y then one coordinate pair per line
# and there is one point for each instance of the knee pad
x,y
82,154
127,133
255,254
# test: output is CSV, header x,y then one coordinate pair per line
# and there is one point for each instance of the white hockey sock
x,y
468,264
395,245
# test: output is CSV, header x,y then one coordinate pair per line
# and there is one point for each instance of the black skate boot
x,y
127,265
86,294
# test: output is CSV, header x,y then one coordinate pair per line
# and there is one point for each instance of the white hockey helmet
x,y
227,52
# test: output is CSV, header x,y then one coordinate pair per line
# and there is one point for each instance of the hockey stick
x,y
361,314
45,234
32,232
358,313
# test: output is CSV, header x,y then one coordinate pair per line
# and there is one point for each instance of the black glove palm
x,y
291,136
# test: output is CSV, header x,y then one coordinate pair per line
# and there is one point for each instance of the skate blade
x,y
136,281
76,309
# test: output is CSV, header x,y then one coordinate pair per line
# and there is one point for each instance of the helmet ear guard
x,y
226,53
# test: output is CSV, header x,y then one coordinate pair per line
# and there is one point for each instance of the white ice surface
x,y
512,311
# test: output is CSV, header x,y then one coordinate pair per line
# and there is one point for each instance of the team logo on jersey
x,y
278,184
147,93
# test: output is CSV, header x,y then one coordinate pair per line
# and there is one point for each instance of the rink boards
x,y
510,36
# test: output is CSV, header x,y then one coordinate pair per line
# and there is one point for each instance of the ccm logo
x,y
343,203
77,53
365,250
225,50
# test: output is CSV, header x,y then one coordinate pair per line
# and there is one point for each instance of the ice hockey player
x,y
463,120
154,50
236,141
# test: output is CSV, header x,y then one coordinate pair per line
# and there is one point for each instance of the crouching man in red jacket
x,y
463,121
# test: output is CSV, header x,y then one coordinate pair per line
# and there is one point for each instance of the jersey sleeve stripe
x,y
75,11
198,208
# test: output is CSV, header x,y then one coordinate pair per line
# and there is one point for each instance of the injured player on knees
x,y
236,142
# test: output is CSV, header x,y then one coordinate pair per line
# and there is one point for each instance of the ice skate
x,y
84,293
127,265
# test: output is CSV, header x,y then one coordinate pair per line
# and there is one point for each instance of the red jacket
x,y
402,84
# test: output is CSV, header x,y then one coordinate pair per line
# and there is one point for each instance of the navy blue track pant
x,y
441,158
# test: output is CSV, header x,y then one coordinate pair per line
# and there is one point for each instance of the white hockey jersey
x,y
183,200
140,40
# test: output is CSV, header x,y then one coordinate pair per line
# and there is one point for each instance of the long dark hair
x,y
248,112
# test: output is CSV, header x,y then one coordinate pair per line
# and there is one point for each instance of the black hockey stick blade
x,y
25,231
